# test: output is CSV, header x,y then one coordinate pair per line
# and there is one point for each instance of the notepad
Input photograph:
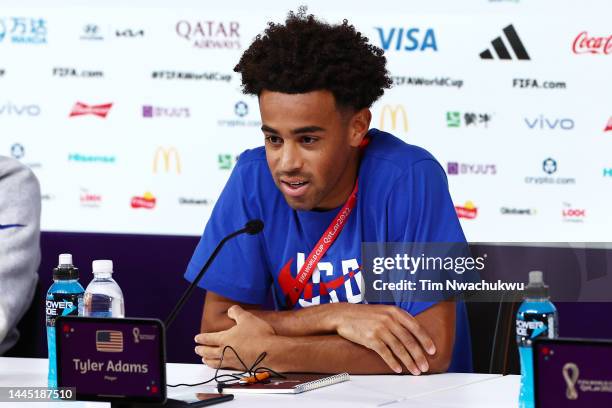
x,y
292,384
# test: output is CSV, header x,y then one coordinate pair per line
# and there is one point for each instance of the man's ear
x,y
359,125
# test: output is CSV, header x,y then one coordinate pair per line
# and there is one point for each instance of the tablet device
x,y
572,373
112,359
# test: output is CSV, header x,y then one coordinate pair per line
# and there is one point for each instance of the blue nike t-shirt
x,y
403,197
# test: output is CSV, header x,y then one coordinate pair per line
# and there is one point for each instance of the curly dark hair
x,y
306,55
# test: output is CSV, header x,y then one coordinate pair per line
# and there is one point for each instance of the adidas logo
x,y
502,51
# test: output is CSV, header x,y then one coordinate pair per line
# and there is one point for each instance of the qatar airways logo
x,y
586,44
80,109
210,34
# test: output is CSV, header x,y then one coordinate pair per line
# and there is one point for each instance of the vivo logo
x,y
12,109
544,123
415,40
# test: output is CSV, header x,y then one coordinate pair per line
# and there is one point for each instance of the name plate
x,y
108,359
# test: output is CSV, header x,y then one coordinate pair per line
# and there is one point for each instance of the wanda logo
x,y
583,44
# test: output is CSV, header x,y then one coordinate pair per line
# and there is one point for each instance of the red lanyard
x,y
325,242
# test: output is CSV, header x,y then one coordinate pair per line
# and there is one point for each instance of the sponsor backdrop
x,y
132,118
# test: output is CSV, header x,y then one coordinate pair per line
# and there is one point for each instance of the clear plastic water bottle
x,y
63,299
103,296
536,317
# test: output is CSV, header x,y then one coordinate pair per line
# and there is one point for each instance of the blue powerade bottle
x,y
63,299
536,317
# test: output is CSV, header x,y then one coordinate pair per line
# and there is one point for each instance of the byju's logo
x,y
167,155
455,168
210,34
10,109
23,30
583,44
80,109
149,111
147,201
468,210
407,39
92,32
502,51
393,112
543,123
470,119
549,166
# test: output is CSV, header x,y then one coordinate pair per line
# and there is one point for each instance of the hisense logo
x,y
77,157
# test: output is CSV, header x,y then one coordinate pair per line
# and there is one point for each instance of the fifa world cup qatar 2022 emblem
x,y
570,375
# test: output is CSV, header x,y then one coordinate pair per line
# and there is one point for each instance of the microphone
x,y
252,227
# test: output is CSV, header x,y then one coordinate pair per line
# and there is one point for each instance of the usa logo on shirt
x,y
331,282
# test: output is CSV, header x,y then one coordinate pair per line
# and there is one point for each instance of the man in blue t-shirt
x,y
324,173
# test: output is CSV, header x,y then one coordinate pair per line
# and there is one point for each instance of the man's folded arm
x,y
346,337
313,320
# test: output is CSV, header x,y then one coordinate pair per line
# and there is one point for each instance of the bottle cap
x,y
65,259
536,278
102,266
65,270
536,287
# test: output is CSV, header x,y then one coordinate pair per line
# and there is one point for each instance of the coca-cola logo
x,y
583,44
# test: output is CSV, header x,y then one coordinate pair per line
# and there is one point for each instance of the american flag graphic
x,y
109,341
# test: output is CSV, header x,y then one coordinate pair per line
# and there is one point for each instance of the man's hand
x,y
389,331
249,337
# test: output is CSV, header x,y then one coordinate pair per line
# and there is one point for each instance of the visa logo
x,y
544,123
407,39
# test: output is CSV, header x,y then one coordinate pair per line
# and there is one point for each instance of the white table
x,y
439,390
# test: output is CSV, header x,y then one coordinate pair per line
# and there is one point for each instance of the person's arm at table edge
x,y
333,353
295,330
